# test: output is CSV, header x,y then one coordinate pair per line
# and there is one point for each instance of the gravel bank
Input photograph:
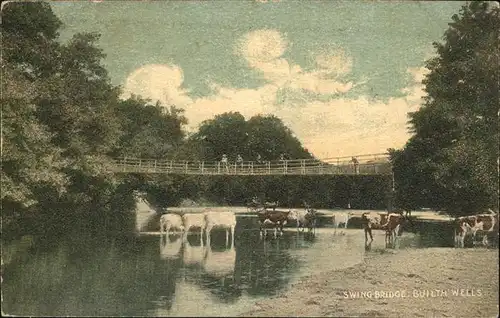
x,y
443,282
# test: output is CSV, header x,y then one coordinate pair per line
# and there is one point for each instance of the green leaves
x,y
230,134
58,120
28,158
455,144
148,131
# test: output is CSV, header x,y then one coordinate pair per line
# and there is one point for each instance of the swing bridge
x,y
370,164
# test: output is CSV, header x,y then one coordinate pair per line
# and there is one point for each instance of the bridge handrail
x,y
294,166
347,160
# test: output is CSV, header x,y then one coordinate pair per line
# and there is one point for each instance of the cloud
x,y
248,102
159,82
328,127
262,45
263,51
415,91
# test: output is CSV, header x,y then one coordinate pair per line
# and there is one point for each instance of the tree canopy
x,y
450,163
62,120
231,134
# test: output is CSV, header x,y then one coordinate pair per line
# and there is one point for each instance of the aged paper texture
x,y
250,158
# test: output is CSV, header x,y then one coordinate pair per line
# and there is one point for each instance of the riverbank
x,y
425,215
428,282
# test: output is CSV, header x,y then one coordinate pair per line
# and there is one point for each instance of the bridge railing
x,y
367,164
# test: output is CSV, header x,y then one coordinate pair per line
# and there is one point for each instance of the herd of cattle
x,y
271,218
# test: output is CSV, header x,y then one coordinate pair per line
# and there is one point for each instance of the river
x,y
155,276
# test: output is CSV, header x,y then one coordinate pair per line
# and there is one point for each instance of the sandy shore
x,y
437,282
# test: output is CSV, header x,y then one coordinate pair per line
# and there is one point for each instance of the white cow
x,y
341,218
168,249
224,220
220,264
194,220
170,221
192,255
299,217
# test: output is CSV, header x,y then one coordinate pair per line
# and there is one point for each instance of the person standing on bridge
x,y
224,162
259,158
283,158
355,162
239,161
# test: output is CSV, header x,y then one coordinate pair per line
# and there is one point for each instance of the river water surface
x,y
156,276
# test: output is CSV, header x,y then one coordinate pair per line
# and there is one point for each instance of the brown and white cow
x,y
391,223
485,224
272,218
463,228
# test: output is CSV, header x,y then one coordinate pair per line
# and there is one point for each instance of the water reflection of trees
x,y
132,277
267,266
105,280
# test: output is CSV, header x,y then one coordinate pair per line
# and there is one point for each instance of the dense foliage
x,y
450,163
61,119
230,134
58,125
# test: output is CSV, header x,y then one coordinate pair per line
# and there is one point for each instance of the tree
x,y
58,124
224,134
230,134
270,138
454,149
29,33
29,160
149,131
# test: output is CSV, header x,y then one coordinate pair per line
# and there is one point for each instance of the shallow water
x,y
156,276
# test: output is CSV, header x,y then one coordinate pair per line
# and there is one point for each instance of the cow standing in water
x,y
299,217
311,219
391,223
170,221
341,218
272,218
223,220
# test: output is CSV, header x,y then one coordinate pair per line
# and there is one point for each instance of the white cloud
x,y
263,50
338,127
248,102
262,45
159,82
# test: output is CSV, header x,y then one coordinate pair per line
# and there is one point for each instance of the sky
x,y
342,75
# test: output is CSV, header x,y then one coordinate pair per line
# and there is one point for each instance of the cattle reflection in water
x,y
219,263
169,249
192,255
215,263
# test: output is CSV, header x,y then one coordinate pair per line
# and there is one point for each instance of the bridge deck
x,y
368,165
